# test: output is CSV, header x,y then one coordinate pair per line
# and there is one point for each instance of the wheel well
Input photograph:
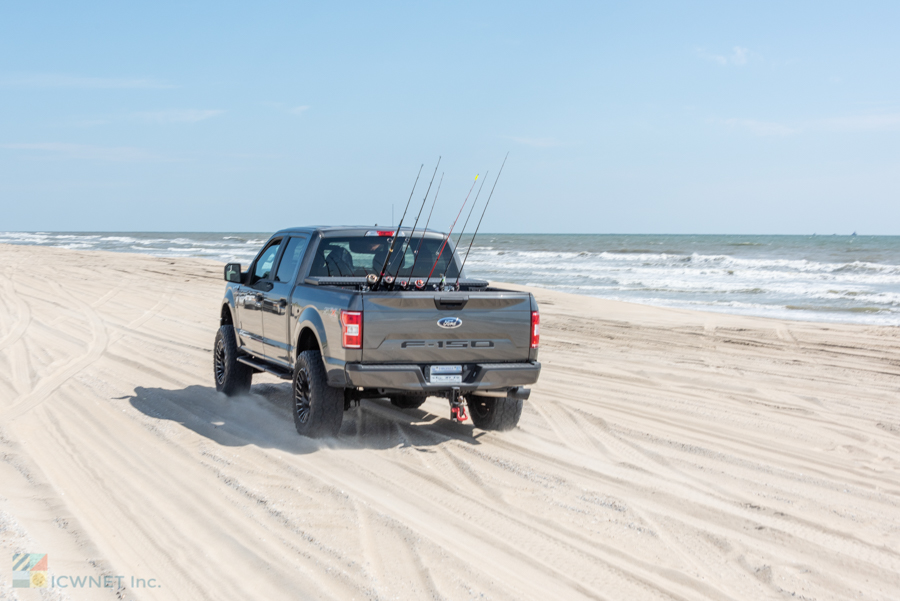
x,y
225,318
307,341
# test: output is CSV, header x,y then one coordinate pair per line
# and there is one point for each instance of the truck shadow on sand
x,y
263,418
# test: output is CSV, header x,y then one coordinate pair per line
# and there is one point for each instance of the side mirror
x,y
233,273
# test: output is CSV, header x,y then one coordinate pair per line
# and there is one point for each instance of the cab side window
x,y
266,261
293,252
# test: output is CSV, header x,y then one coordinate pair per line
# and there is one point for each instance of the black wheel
x,y
407,401
494,413
231,376
318,408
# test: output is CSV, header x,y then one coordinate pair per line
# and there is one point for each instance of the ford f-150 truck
x,y
305,311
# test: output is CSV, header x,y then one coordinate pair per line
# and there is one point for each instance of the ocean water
x,y
853,279
225,247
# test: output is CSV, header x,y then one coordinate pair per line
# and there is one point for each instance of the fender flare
x,y
228,301
310,319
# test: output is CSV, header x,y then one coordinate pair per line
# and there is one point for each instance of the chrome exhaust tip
x,y
520,393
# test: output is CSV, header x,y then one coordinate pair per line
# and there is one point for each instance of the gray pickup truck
x,y
306,310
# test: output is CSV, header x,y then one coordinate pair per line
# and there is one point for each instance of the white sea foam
x,y
825,279
805,278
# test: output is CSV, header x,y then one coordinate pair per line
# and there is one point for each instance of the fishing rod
x,y
409,239
425,231
394,236
472,208
482,217
463,230
447,237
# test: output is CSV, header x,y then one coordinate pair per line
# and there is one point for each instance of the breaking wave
x,y
824,278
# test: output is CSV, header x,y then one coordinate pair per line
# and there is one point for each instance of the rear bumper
x,y
414,377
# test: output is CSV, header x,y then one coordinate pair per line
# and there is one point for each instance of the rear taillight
x,y
351,329
535,329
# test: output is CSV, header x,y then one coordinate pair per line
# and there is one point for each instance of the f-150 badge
x,y
449,322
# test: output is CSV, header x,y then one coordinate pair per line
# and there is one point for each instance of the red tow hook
x,y
457,407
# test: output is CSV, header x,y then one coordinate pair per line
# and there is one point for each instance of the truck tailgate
x,y
488,326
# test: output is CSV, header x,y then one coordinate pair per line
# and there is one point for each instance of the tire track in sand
x,y
99,342
389,547
23,313
471,530
47,385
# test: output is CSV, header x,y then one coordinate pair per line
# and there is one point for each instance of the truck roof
x,y
347,230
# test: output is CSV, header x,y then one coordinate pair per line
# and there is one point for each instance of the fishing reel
x,y
420,284
445,287
371,279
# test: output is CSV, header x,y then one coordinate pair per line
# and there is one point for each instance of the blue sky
x,y
658,117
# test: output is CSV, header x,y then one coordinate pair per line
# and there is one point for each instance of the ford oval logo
x,y
450,322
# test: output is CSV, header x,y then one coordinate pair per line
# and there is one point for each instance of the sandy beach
x,y
664,454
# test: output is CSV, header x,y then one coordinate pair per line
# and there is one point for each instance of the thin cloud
x,y
61,150
162,117
73,81
760,128
537,142
863,123
178,115
885,122
283,106
90,122
739,56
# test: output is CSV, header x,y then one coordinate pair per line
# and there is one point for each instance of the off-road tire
x,y
494,413
318,407
408,401
231,376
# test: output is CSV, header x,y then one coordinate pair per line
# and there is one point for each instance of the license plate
x,y
446,374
